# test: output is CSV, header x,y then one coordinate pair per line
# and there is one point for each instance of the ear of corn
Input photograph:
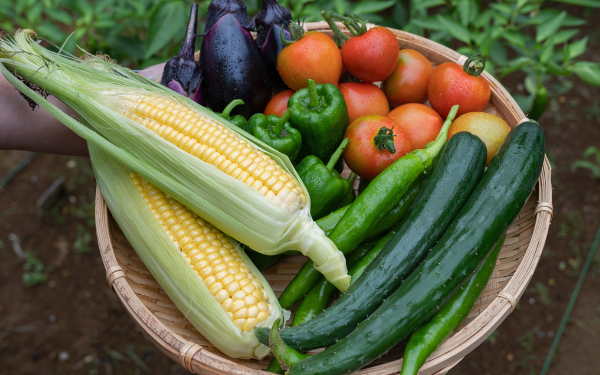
x,y
203,271
239,184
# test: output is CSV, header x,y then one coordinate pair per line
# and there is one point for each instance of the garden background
x,y
58,315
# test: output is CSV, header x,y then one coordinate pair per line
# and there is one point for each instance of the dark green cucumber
x,y
432,334
494,204
449,185
308,275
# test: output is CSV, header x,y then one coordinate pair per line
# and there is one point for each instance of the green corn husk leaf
x,y
93,89
169,266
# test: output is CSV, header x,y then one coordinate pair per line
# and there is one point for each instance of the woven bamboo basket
x,y
166,327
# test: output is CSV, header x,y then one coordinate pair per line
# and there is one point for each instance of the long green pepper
x,y
383,193
432,334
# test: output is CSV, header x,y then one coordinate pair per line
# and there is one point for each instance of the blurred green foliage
x,y
529,36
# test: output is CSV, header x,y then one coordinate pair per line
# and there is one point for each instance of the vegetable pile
x,y
235,160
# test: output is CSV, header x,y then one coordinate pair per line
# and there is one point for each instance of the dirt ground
x,y
70,322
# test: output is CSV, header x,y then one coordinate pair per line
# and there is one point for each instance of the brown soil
x,y
72,323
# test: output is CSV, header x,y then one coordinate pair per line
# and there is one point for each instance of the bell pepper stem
x,y
385,140
314,96
227,111
286,356
336,155
278,128
351,177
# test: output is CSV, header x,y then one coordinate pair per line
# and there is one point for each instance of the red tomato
x,y
362,155
278,104
408,82
421,123
372,56
315,56
450,84
364,99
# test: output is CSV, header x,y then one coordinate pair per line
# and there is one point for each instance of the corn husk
x,y
233,207
169,267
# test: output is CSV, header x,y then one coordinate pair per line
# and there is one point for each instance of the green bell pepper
x,y
276,132
351,196
324,185
237,120
321,115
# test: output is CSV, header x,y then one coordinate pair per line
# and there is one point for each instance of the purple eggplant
x,y
219,8
269,52
271,13
183,73
233,69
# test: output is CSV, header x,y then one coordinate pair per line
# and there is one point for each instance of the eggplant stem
x,y
336,155
189,42
278,128
227,111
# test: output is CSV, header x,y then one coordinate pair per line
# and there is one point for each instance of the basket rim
x,y
451,351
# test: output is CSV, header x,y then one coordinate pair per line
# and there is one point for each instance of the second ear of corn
x,y
239,184
204,272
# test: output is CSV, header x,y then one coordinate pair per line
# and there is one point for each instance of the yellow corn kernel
x,y
211,255
214,144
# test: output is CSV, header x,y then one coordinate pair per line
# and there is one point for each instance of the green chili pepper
x,y
276,132
324,185
308,275
284,354
385,191
237,120
432,334
540,103
321,116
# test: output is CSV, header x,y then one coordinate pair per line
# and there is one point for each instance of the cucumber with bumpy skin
x,y
456,173
487,215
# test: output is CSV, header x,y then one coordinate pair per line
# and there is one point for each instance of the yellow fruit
x,y
491,129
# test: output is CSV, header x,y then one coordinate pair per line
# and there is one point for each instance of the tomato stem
x,y
336,155
314,96
353,23
278,128
227,111
478,65
385,140
296,33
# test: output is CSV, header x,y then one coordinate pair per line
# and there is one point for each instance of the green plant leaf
x,y
546,29
498,53
564,35
399,15
588,71
426,4
583,3
165,24
587,165
524,101
591,151
455,29
514,37
516,64
51,32
340,6
58,15
504,8
429,23
367,6
486,42
547,50
484,18
578,48
547,15
464,11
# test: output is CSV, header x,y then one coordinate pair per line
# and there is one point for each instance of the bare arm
x,y
24,129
